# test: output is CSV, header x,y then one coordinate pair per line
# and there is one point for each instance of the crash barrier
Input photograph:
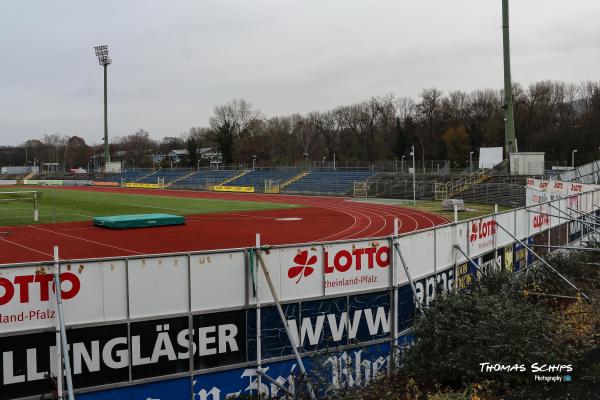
x,y
205,325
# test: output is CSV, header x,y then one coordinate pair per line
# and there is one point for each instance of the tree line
x,y
553,117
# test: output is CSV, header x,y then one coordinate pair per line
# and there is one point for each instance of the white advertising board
x,y
587,202
507,221
540,218
444,247
418,252
91,292
356,266
558,208
482,236
217,280
158,286
461,234
296,273
521,223
490,156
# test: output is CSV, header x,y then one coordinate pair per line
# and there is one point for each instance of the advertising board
x,y
91,292
158,286
142,185
482,235
153,318
110,184
241,189
418,251
356,266
210,274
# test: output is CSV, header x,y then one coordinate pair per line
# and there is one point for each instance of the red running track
x,y
318,219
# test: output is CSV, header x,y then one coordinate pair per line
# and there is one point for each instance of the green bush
x,y
494,324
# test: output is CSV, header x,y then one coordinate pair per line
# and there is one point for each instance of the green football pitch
x,y
57,205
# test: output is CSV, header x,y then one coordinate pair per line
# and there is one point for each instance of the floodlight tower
x,y
510,142
104,60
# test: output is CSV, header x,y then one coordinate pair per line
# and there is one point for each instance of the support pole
x,y
584,214
545,246
274,382
457,247
412,283
544,262
36,214
568,218
394,308
258,318
295,346
63,333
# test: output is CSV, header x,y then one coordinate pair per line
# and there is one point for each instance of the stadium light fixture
x,y
104,60
573,158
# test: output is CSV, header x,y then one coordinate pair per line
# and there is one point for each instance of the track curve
x,y
317,219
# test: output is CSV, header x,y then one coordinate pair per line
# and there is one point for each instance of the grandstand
x,y
205,179
126,176
167,175
332,182
260,179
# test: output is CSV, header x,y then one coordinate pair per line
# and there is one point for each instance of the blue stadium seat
x,y
202,179
258,178
125,176
333,182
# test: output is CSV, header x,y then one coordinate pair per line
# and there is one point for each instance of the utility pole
x,y
510,143
105,61
412,153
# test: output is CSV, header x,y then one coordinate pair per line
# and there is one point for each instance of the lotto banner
x,y
91,292
242,189
482,235
353,266
142,185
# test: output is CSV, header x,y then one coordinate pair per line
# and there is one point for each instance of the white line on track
x,y
26,247
86,240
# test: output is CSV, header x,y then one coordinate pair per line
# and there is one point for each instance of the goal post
x,y
360,189
272,186
14,198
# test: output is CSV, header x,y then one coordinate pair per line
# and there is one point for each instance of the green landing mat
x,y
138,221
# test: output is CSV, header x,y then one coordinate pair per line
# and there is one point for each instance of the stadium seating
x,y
126,176
202,179
167,175
335,182
258,177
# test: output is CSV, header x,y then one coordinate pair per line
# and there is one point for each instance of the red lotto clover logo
x,y
303,266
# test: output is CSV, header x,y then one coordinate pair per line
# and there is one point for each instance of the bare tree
x,y
227,123
55,145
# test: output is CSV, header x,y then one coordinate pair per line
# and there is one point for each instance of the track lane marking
x,y
86,240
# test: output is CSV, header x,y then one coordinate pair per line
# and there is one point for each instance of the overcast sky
x,y
173,61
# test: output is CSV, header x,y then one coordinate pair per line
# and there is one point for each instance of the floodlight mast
x,y
104,60
510,142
